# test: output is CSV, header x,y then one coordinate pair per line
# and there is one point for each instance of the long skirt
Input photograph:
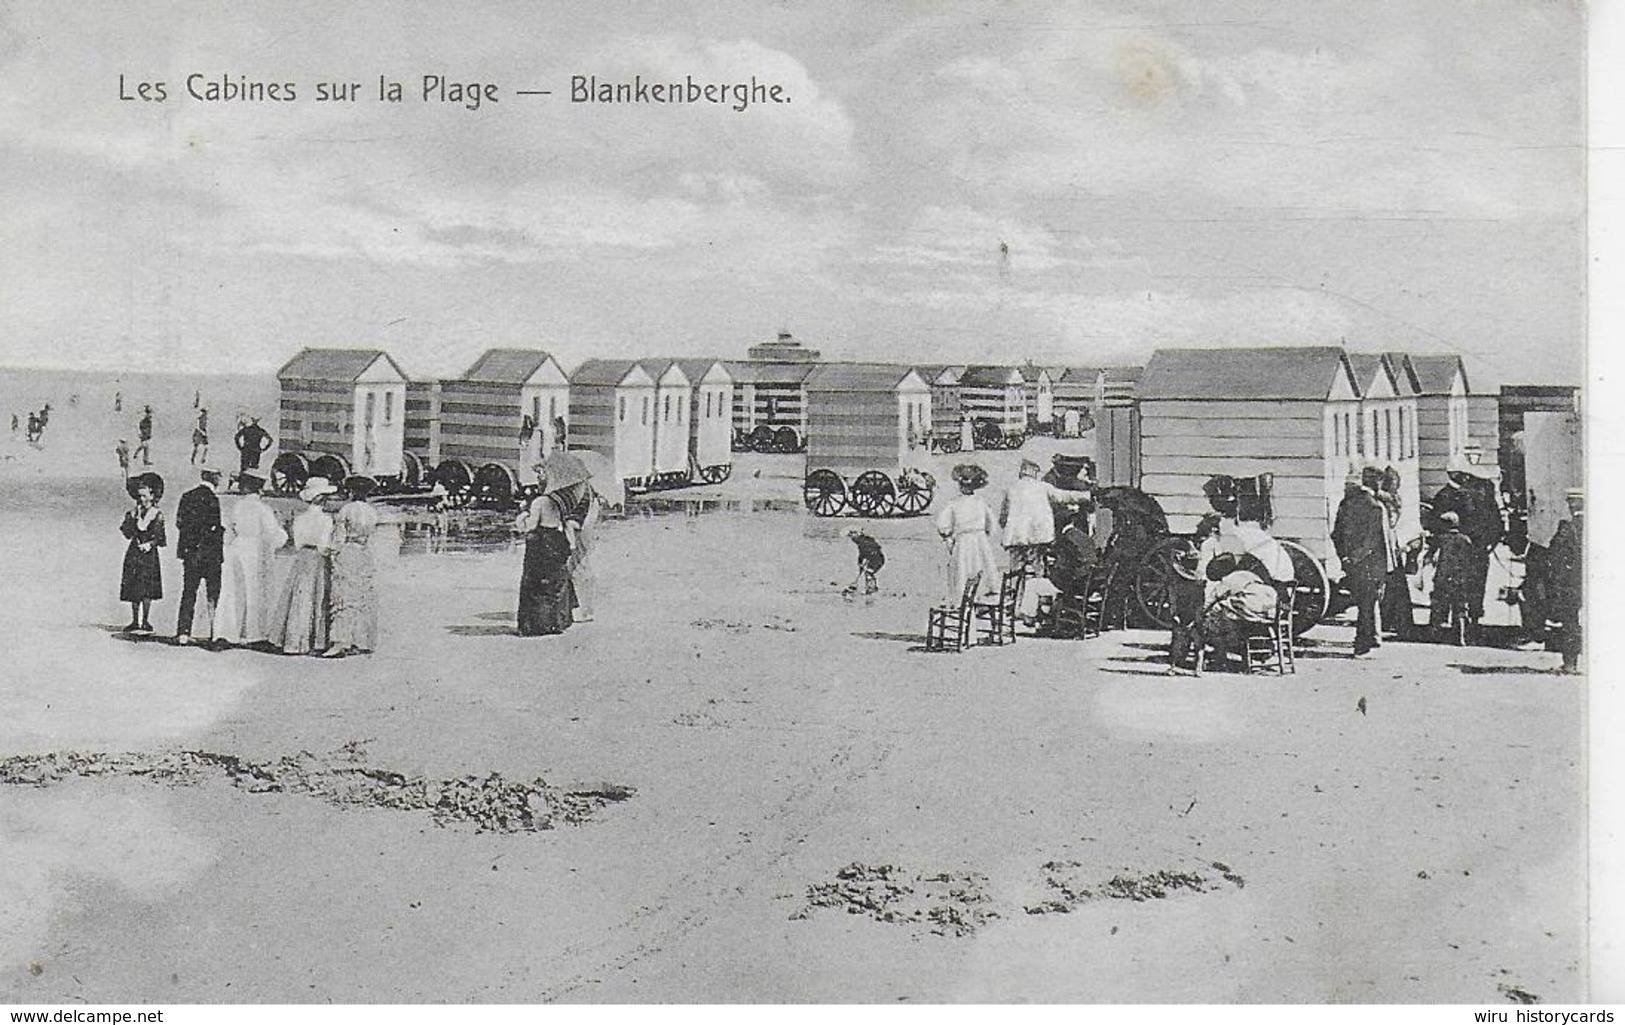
x,y
298,616
971,554
354,598
142,578
244,594
545,595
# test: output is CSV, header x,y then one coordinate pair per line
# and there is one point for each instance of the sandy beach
x,y
805,806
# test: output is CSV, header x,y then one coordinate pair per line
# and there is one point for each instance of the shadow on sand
x,y
1469,670
481,630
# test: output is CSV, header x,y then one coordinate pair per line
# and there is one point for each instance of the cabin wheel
x,y
716,474
915,489
824,492
873,494
334,467
289,473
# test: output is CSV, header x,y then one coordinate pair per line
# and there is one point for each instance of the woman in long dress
x,y
354,596
252,536
141,582
545,595
298,618
966,523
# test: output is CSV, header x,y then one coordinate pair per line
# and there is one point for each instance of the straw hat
x,y
315,488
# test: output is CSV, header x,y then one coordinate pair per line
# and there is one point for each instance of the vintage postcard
x,y
969,502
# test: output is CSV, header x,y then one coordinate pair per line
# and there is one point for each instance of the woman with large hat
x,y
966,523
142,580
546,597
298,616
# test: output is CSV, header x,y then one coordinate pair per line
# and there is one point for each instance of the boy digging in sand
x,y
870,559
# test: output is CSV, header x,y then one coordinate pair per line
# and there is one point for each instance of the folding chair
x,y
1001,613
1270,645
947,627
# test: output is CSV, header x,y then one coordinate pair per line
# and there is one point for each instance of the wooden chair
x,y
1269,645
947,627
1001,613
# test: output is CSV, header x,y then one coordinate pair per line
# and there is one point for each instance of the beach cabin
x,y
1388,429
422,428
864,427
612,413
995,394
1290,412
483,412
1443,422
1513,404
1117,426
673,396
947,413
770,402
1038,392
710,419
345,402
1074,394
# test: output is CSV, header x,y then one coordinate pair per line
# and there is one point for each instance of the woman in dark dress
x,y
142,581
545,595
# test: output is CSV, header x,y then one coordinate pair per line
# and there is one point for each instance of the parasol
x,y
564,470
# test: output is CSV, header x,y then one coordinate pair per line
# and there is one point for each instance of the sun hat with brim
x,y
315,488
151,480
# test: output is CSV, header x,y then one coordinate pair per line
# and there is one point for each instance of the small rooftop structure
x,y
784,348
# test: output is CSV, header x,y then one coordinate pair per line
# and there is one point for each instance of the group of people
x,y
1026,524
307,589
37,422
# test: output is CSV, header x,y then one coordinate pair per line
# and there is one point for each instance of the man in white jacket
x,y
1028,519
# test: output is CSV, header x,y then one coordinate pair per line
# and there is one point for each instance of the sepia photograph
x,y
1043,502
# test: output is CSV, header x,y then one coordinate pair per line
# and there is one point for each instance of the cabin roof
x,y
506,366
1030,373
1365,366
603,371
860,377
1435,374
1079,375
760,372
1304,373
696,369
1123,375
990,377
334,364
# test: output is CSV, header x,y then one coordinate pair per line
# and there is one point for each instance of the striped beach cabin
x,y
1290,412
1038,392
996,394
865,427
349,403
1075,393
482,411
612,413
710,419
947,412
770,402
1117,426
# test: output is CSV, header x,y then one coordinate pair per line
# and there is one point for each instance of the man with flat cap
x,y
1362,537
1565,589
200,545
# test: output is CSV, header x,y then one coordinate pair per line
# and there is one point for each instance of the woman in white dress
x,y
966,523
354,597
252,536
298,619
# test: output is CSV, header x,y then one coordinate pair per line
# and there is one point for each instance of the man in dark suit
x,y
1361,536
252,441
200,547
1566,581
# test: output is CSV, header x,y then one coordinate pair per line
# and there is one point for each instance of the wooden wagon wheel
x,y
334,467
359,481
986,434
457,478
824,492
1311,590
949,443
915,489
1153,581
761,439
873,494
289,473
716,474
495,485
785,439
1015,440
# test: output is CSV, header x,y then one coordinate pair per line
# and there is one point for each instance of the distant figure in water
x,y
197,399
14,423
118,402
144,436
122,450
34,429
252,440
200,438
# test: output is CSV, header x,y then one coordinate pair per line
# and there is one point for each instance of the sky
x,y
1071,182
